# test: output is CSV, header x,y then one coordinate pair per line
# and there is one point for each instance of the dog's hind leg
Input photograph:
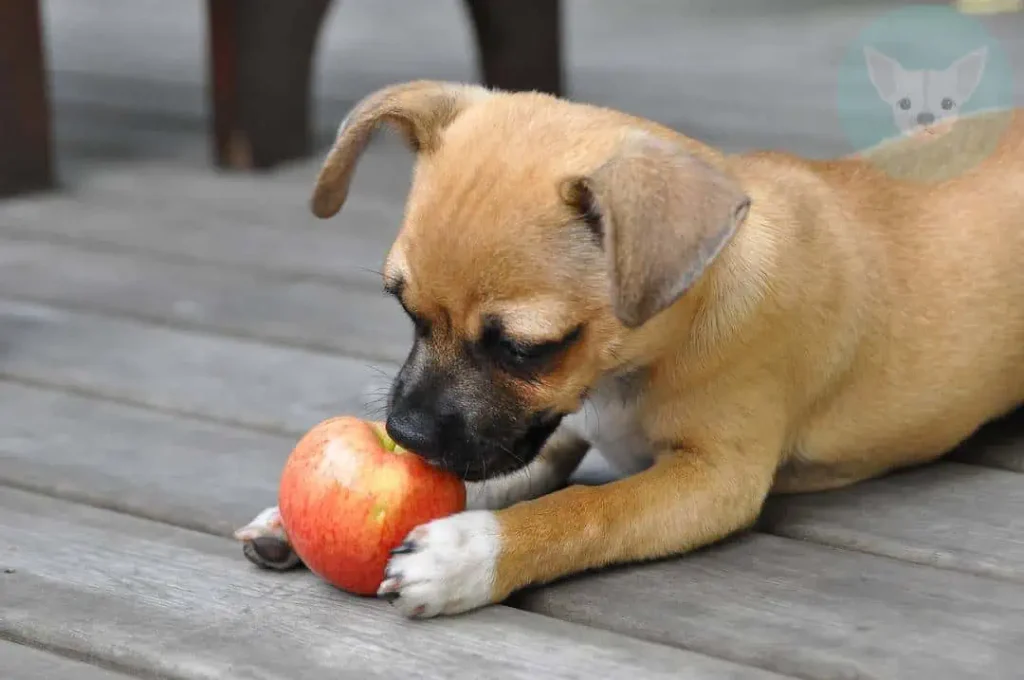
x,y
552,467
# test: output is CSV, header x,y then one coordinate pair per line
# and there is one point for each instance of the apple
x,y
349,495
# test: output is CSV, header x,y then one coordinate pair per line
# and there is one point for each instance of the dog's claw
x,y
405,548
265,544
391,589
272,549
270,552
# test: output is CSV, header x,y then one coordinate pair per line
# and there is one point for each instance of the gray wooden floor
x,y
166,332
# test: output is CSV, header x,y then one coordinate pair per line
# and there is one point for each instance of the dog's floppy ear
x,y
419,110
662,215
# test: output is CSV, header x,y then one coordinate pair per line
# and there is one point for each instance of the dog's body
x,y
722,327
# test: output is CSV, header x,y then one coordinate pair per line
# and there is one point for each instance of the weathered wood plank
x,y
167,601
206,476
274,388
808,610
309,313
949,515
211,477
194,474
351,247
18,662
381,182
190,473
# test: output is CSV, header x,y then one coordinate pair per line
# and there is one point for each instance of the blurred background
x,y
130,79
157,158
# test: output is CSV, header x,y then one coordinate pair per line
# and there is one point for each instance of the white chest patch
x,y
609,420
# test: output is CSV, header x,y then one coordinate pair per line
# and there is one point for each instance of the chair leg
x,y
519,43
260,60
25,146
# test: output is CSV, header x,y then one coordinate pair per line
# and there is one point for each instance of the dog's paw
x,y
265,544
446,566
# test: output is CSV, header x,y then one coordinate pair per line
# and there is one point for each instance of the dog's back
x,y
954,263
929,235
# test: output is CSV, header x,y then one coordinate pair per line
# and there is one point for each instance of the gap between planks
x,y
21,659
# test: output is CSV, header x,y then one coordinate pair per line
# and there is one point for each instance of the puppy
x,y
721,327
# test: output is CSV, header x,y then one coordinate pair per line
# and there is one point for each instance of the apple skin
x,y
349,495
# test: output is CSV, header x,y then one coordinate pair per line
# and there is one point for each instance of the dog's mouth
x,y
497,457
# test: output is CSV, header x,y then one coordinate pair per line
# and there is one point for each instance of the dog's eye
x,y
517,356
947,104
520,353
905,103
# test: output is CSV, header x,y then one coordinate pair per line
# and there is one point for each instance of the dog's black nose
x,y
925,118
415,430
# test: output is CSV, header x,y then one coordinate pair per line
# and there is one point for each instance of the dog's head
x,y
540,239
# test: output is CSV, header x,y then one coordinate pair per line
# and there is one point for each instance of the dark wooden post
x,y
519,43
25,163
261,57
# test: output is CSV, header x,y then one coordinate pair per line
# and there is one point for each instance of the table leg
x,y
25,145
261,56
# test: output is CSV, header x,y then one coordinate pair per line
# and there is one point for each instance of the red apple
x,y
349,495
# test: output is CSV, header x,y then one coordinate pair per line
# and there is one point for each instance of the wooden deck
x,y
167,332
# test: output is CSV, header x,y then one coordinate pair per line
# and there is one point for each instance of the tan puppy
x,y
720,326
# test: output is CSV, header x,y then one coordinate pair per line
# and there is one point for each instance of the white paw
x,y
267,523
444,567
265,544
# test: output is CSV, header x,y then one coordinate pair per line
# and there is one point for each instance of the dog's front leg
x,y
552,467
687,499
